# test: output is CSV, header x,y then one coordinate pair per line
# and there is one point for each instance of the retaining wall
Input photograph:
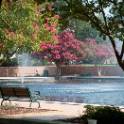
x,y
85,70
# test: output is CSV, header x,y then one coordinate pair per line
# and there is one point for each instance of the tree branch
x,y
0,3
119,59
122,51
104,17
122,21
96,23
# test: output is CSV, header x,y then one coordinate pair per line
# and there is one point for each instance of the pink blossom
x,y
94,50
36,26
102,51
1,45
43,46
47,26
55,37
57,16
57,56
64,50
53,30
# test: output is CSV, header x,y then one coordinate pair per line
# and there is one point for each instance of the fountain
x,y
22,80
24,59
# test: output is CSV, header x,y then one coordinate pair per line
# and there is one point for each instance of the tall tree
x,y
22,28
107,16
16,25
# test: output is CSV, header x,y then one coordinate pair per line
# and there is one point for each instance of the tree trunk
x,y
119,57
0,3
58,71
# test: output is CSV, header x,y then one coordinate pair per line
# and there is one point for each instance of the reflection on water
x,y
108,92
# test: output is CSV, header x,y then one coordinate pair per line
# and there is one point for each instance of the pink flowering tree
x,y
66,50
88,47
96,53
103,52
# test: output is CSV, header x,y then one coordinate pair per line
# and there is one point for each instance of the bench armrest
x,y
37,93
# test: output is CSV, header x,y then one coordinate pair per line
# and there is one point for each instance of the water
x,y
105,92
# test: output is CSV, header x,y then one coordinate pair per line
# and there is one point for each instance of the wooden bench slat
x,y
7,91
19,92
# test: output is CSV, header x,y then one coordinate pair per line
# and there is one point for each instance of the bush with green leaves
x,y
104,114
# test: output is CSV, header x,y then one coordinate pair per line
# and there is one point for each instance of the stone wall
x,y
86,70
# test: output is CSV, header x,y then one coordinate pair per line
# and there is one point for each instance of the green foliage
x,y
107,16
83,30
16,22
10,62
16,28
104,114
22,28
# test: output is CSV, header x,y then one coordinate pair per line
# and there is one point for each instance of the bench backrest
x,y
7,91
15,92
22,92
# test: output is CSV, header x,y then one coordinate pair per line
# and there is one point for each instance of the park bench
x,y
19,94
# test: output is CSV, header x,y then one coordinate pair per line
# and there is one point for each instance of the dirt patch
x,y
21,110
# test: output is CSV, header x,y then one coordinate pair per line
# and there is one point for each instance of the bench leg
x,y
5,100
30,104
2,102
37,102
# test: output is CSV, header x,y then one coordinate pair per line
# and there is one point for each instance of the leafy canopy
x,y
67,49
22,28
96,53
107,16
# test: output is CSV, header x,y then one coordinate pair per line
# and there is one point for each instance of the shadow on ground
x,y
21,121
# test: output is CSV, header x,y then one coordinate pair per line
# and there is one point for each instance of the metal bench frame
x,y
8,93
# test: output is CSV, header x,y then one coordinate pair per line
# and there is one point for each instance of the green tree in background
x,y
84,30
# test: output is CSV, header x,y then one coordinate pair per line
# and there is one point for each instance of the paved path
x,y
57,110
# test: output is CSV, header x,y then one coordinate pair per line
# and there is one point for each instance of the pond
x,y
110,92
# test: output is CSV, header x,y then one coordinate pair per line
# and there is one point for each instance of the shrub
x,y
104,114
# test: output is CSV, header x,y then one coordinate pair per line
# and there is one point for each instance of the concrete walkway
x,y
56,110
